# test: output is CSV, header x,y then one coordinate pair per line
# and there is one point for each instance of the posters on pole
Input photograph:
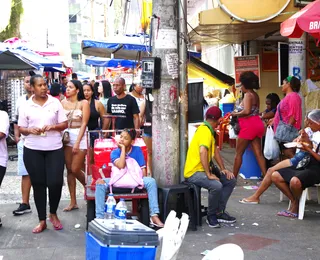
x,y
172,64
246,63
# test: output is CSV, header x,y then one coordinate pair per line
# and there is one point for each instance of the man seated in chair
x,y
220,183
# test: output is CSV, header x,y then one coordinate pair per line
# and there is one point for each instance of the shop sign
x,y
246,63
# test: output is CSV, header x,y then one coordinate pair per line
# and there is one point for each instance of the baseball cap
x,y
213,113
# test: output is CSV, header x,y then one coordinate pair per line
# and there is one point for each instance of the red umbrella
x,y
306,20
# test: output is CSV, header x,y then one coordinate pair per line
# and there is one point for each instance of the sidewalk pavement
x,y
260,233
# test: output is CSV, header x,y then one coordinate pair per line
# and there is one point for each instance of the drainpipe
x,y
183,85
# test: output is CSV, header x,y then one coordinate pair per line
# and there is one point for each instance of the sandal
x,y
288,214
154,224
245,201
56,224
38,229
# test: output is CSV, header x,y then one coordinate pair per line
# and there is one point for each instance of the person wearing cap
x,y
290,108
220,185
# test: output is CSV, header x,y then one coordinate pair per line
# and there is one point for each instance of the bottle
x,y
120,215
109,207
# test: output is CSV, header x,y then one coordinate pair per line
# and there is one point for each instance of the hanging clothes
x,y
311,93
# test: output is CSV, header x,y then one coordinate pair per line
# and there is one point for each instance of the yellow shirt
x,y
204,136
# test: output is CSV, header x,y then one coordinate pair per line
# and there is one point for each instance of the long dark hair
x,y
274,98
107,93
78,86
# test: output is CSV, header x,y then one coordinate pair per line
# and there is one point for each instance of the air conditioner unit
x,y
302,3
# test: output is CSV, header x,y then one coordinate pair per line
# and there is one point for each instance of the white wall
x,y
41,16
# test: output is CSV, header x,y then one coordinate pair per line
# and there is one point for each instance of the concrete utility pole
x,y
165,117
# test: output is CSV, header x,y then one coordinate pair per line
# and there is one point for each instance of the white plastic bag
x,y
271,147
232,134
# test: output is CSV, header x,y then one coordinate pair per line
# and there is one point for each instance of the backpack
x,y
129,177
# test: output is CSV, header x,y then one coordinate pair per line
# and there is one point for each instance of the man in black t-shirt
x,y
123,105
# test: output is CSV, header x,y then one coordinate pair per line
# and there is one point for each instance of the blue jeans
x,y
219,191
149,184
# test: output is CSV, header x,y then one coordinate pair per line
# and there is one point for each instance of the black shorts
x,y
308,177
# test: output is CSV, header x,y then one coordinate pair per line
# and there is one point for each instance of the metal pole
x,y
165,107
183,84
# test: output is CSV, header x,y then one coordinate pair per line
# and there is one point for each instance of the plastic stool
x,y
200,210
178,189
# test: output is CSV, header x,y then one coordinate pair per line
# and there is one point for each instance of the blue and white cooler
x,y
137,242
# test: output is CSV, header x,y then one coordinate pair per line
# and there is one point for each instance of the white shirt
x,y
4,128
316,140
20,101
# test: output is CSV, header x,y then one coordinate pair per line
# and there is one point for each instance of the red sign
x,y
246,63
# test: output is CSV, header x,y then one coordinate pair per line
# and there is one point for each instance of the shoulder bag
x,y
66,134
306,160
285,132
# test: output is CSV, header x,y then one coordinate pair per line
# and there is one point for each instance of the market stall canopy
x,y
109,49
306,20
211,76
36,58
212,71
12,61
232,22
106,62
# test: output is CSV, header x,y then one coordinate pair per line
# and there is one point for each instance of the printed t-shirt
x,y
126,106
289,106
4,128
34,115
135,153
204,136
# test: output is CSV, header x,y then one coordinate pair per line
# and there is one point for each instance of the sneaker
x,y
224,217
212,221
23,208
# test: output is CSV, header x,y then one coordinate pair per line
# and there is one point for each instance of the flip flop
x,y
56,224
67,209
38,229
244,201
288,214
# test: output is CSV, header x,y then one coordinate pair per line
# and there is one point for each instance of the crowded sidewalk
x,y
260,233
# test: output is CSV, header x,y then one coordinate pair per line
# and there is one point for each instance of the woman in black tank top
x,y
97,112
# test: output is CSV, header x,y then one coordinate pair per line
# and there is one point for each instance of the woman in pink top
x,y
41,121
290,109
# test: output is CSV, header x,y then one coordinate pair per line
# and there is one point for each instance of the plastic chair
x,y
172,235
302,202
200,211
225,252
180,189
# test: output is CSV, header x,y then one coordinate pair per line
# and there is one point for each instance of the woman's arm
x,y
142,112
121,162
144,172
85,119
268,115
247,106
102,112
